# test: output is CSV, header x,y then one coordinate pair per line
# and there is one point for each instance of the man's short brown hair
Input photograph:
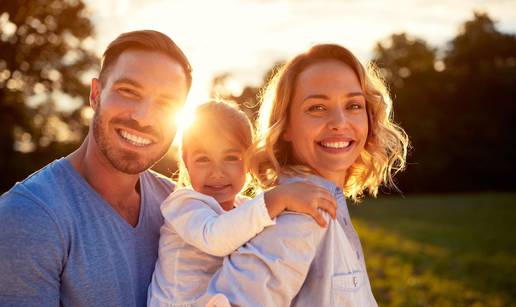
x,y
148,40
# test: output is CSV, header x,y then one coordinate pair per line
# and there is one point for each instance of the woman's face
x,y
328,122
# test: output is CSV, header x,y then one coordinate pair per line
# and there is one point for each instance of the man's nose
x,y
144,114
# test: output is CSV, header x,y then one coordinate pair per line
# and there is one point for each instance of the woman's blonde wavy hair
x,y
384,153
215,116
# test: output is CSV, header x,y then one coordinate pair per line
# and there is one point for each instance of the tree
x,y
408,64
403,56
43,55
457,109
481,61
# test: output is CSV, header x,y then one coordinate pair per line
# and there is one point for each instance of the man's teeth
x,y
134,139
335,144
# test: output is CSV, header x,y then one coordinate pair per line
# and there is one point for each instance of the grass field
x,y
440,250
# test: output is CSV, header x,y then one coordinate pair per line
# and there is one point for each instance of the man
x,y
84,230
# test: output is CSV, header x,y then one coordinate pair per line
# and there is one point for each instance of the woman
x,y
327,120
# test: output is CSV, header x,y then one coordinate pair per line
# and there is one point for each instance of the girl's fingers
x,y
218,300
330,199
323,193
317,216
328,206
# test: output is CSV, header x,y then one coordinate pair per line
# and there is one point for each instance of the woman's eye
x,y
355,106
316,108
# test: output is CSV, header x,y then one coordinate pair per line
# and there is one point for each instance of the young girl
x,y
328,121
201,222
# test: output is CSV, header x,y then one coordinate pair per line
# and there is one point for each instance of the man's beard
x,y
122,160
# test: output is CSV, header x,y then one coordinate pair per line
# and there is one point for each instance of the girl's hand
x,y
300,197
218,300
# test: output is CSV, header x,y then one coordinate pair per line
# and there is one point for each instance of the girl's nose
x,y
217,170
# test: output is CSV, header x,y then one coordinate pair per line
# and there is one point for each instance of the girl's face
x,y
216,167
328,122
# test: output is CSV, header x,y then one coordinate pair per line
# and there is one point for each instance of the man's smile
x,y
134,139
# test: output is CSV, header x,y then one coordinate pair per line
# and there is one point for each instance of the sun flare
x,y
186,116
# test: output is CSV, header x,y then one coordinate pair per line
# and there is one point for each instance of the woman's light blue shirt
x,y
298,263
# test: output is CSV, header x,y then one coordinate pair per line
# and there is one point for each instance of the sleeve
x,y
200,222
271,268
31,253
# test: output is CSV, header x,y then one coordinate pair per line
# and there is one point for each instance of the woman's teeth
x,y
335,144
134,139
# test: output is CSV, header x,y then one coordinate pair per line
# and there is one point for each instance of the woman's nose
x,y
337,120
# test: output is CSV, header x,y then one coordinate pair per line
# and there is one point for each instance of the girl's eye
x,y
232,158
316,108
202,159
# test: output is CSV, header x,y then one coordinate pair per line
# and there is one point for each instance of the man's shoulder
x,y
40,192
40,183
25,204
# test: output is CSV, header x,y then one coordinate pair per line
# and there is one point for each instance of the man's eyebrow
x,y
128,81
168,97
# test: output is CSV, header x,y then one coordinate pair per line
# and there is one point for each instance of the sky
x,y
246,37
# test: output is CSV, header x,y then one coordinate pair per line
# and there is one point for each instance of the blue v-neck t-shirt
x,y
62,244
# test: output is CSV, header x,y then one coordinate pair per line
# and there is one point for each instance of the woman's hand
x,y
302,197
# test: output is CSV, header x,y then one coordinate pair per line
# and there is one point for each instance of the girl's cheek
x,y
240,171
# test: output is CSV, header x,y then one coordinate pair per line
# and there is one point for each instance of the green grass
x,y
440,250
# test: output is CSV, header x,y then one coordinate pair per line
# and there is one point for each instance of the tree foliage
x,y
43,55
458,109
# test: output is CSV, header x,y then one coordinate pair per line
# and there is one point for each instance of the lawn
x,y
440,250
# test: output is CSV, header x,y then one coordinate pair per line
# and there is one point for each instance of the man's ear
x,y
95,93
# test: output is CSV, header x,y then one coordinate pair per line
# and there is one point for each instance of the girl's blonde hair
x,y
384,153
221,117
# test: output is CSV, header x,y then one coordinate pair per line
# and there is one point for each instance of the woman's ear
x,y
286,136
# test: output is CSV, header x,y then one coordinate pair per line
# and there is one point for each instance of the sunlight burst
x,y
186,116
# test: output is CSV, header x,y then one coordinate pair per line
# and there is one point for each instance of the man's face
x,y
135,107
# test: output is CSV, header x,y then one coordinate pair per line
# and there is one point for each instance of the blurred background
x,y
448,239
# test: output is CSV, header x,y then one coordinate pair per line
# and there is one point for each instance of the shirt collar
x,y
320,181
